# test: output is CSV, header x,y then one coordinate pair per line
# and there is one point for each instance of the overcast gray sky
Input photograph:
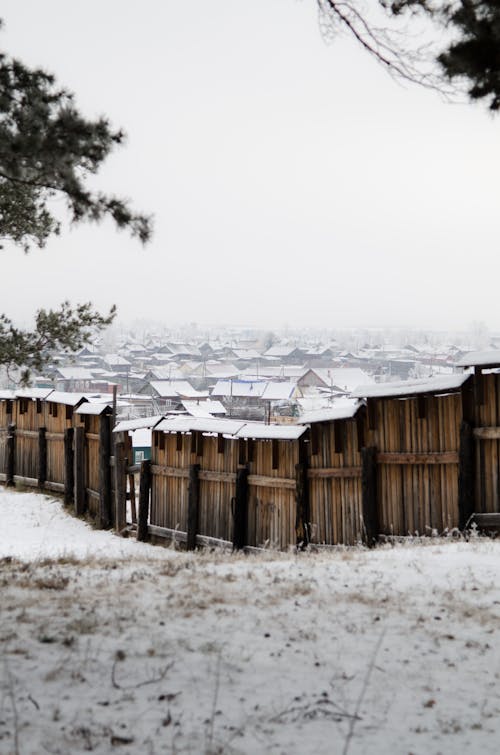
x,y
293,182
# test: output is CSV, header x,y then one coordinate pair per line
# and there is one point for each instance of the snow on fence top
x,y
346,409
438,384
480,359
141,423
230,428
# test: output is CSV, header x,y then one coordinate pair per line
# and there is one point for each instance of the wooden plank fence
x,y
399,465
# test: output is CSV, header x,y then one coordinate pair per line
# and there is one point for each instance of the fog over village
x,y
249,377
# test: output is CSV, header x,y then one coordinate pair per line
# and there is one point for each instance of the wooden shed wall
x,y
272,506
487,446
29,417
92,482
5,421
335,495
58,417
413,495
169,493
220,456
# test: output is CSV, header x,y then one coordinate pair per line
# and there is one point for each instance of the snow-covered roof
x,y
344,409
205,408
33,393
346,378
75,373
231,428
176,388
65,397
137,424
246,354
480,359
438,384
6,395
239,388
93,408
279,391
280,351
115,360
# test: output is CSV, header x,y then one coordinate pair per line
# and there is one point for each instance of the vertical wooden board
x,y
407,445
493,460
497,443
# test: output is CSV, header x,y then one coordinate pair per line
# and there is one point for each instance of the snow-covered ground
x,y
109,645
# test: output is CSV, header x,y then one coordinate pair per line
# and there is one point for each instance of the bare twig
x,y
355,717
153,680
214,704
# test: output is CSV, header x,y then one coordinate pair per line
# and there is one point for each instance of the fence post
x,y
79,471
104,519
11,455
302,504
69,472
240,514
121,464
42,457
465,474
369,494
193,506
144,488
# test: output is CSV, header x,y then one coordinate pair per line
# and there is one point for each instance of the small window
x,y
139,456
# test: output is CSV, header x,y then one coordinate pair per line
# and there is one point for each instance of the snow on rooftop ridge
x,y
93,408
437,384
33,393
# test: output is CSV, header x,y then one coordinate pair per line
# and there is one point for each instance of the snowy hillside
x,y
112,645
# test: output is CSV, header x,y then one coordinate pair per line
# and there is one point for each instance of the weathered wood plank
x,y
193,506
161,471
79,471
486,433
369,495
327,472
466,474
11,455
105,517
204,474
42,457
271,482
240,513
441,457
145,486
